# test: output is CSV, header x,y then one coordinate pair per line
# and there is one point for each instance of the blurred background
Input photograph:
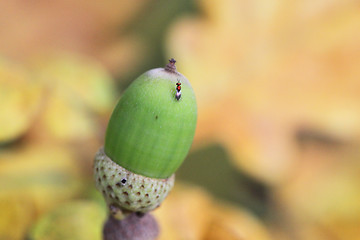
x,y
276,152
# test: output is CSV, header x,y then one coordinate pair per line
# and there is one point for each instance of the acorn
x,y
148,136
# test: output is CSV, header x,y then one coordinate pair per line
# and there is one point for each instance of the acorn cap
x,y
150,132
128,191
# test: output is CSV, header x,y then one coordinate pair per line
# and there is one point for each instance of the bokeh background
x,y
276,152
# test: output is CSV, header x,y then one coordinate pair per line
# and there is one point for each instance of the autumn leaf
x,y
191,213
20,96
264,71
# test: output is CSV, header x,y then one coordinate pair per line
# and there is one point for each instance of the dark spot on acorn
x,y
103,191
130,186
157,196
146,195
148,202
99,180
138,193
155,190
109,168
113,176
102,168
127,202
97,169
152,185
126,193
142,187
139,201
118,184
140,214
104,176
109,188
117,198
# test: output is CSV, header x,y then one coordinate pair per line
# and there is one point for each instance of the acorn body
x,y
150,132
148,136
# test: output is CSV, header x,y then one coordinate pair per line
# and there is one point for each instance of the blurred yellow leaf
x,y
185,214
231,223
192,214
20,97
15,217
263,70
272,79
322,200
43,175
77,77
81,220
78,90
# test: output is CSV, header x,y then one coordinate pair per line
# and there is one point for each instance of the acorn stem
x,y
135,226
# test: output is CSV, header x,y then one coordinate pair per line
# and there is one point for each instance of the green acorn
x,y
148,137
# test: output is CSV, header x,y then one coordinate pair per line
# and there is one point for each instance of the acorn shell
x,y
150,132
127,190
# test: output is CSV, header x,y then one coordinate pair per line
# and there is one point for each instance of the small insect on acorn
x,y
178,90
